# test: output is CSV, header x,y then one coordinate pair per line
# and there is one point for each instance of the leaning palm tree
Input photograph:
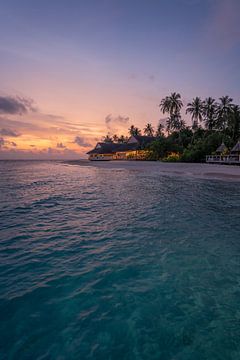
x,y
210,112
224,111
148,130
165,105
171,104
195,108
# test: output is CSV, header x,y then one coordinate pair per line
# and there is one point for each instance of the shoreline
x,y
195,170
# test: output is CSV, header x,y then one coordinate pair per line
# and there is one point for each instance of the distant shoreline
x,y
195,170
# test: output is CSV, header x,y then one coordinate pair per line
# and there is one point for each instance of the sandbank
x,y
198,170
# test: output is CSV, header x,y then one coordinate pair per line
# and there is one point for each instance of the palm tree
x,y
134,131
169,123
107,139
148,130
209,112
115,138
175,123
159,132
165,105
195,108
171,104
122,139
234,122
224,110
181,124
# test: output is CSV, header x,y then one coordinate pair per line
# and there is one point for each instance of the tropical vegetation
x,y
212,122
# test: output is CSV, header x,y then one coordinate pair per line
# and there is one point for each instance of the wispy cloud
x,y
21,126
9,133
116,123
81,141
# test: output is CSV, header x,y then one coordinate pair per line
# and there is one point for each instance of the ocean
x,y
117,264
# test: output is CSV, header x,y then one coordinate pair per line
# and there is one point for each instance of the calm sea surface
x,y
117,264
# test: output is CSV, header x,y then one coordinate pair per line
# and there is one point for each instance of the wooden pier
x,y
223,159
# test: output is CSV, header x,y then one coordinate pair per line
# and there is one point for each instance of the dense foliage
x,y
212,123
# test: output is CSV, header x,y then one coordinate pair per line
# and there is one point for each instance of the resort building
x,y
223,156
134,149
222,149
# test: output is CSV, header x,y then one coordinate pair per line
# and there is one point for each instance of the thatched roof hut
x,y
236,148
221,149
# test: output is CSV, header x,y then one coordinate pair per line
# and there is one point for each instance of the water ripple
x,y
100,264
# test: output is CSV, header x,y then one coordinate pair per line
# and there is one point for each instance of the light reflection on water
x,y
107,264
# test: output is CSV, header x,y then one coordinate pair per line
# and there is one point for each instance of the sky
x,y
74,70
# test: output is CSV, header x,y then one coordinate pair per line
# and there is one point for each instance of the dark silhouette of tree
x,y
122,139
224,110
160,130
234,123
175,123
134,131
171,104
148,130
210,112
115,138
107,139
196,109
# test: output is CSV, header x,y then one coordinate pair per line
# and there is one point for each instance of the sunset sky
x,y
74,70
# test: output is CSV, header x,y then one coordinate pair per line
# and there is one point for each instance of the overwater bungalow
x,y
222,155
236,149
134,149
222,149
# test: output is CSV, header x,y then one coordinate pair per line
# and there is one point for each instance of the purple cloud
x,y
81,141
15,105
9,132
118,119
5,143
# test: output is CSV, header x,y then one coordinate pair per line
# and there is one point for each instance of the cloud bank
x,y
28,132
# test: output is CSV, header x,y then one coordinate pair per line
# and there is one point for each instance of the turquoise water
x,y
117,264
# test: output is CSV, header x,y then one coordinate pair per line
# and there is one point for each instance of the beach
x,y
195,170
